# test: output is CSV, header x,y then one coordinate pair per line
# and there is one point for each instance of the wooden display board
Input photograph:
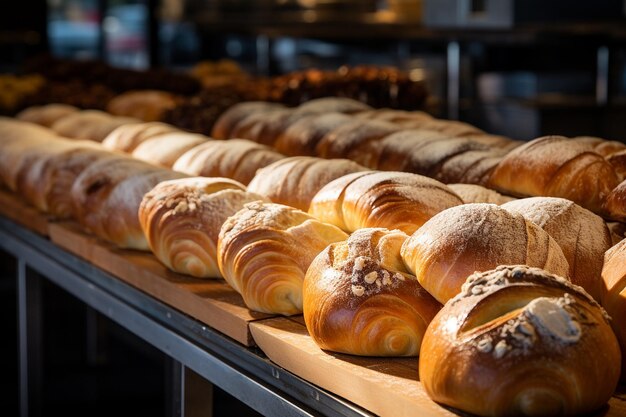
x,y
16,209
211,301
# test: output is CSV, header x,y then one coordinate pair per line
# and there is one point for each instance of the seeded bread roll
x,y
471,193
182,218
582,235
520,341
223,127
47,114
89,125
264,250
360,299
166,148
393,200
476,237
127,137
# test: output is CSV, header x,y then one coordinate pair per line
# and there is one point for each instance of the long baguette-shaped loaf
x,y
166,148
93,125
127,137
47,114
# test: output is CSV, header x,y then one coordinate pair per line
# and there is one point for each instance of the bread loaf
x,y
520,341
582,235
127,137
89,125
145,105
392,200
360,299
476,237
614,295
223,127
264,250
332,104
471,193
239,159
301,137
295,181
615,204
46,115
166,148
182,218
263,127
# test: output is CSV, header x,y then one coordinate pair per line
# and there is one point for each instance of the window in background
x,y
73,28
125,27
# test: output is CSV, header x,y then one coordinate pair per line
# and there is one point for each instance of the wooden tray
x,y
16,209
212,301
386,387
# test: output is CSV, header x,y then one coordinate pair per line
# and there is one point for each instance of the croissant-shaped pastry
x,y
127,137
106,198
301,137
166,148
614,294
238,159
554,166
476,237
295,181
93,125
223,127
47,114
264,251
582,235
182,218
360,299
520,341
471,193
392,200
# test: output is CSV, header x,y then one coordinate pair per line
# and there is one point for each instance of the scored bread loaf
x,y
106,198
145,105
582,235
166,148
476,237
520,341
127,137
295,181
360,299
554,166
614,295
238,159
472,193
264,251
47,114
224,125
182,218
93,125
392,200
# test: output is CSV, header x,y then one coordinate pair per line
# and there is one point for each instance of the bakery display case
x,y
303,208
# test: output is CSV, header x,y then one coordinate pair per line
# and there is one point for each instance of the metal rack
x,y
244,373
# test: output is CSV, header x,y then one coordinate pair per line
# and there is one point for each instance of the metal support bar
x,y
174,388
453,58
198,395
263,51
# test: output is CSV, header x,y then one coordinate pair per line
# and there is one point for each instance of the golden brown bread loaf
x,y
392,200
264,127
615,204
399,117
295,181
471,193
614,295
182,218
223,127
333,104
554,166
145,105
89,125
360,299
127,137
166,148
264,251
238,159
106,198
47,114
476,237
582,235
518,341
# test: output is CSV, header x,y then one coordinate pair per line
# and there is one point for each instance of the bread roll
x,y
451,128
223,127
263,127
301,137
89,125
399,117
264,250
393,200
476,237
127,137
166,148
182,218
360,299
615,204
471,193
295,181
106,198
145,105
614,295
332,104
582,235
47,114
520,341
554,166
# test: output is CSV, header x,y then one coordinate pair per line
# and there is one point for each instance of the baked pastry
x,y
618,232
166,148
393,200
614,295
520,341
333,104
476,237
471,193
295,181
472,166
264,250
263,127
89,125
223,127
106,198
582,235
127,137
145,105
615,204
238,159
554,166
47,114
360,299
182,218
